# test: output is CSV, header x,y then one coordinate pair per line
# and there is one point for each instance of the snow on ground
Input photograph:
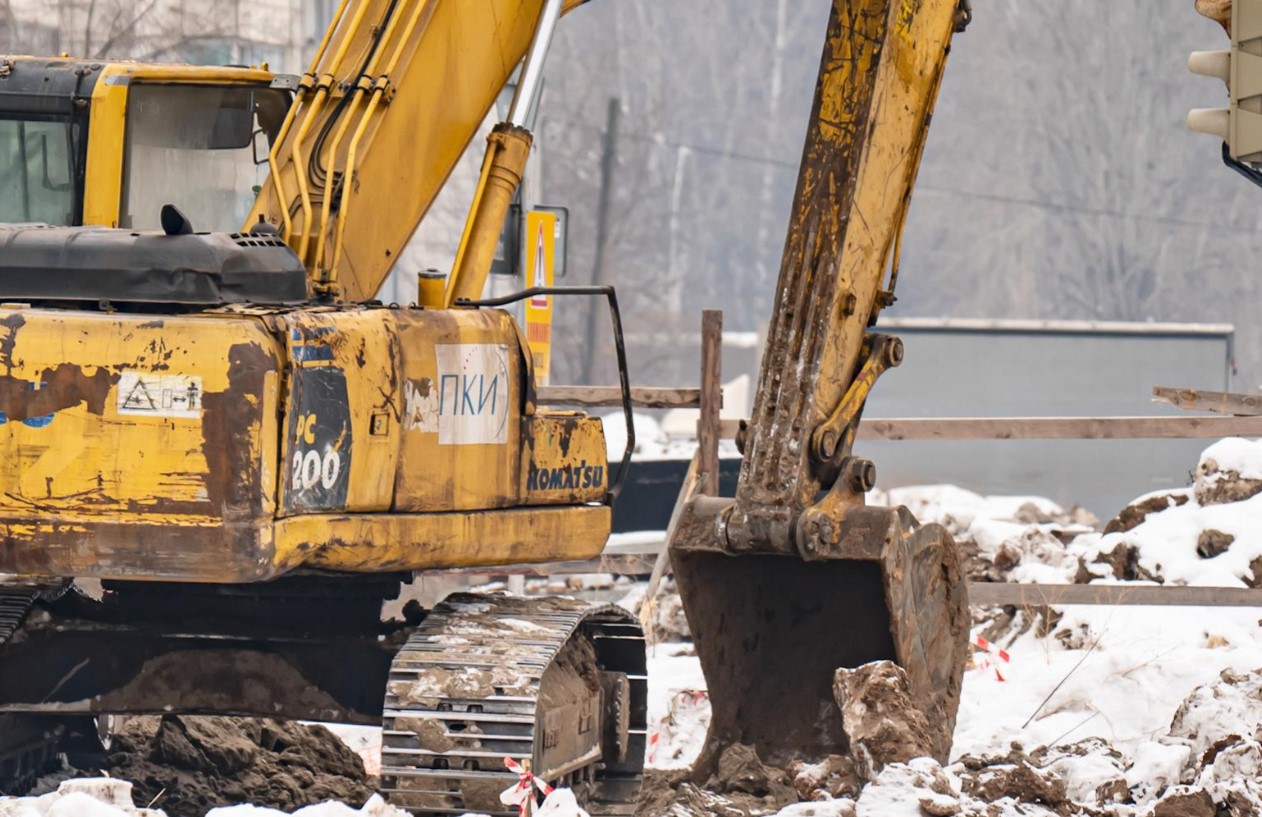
x,y
1125,672
679,712
1132,700
1122,672
376,807
107,797
1236,454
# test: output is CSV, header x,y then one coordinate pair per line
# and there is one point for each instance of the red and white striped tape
x,y
521,794
992,658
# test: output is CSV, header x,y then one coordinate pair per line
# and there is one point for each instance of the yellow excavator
x,y
204,411
249,454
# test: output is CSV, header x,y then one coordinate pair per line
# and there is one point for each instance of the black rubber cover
x,y
120,266
34,86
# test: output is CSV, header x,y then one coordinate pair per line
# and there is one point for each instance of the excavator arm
x,y
395,93
796,577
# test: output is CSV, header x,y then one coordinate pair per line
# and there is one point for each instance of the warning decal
x,y
541,258
160,395
541,276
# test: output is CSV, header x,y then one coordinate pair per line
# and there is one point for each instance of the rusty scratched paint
x,y
63,386
221,553
564,432
11,323
233,480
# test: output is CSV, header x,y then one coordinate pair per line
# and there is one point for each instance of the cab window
x,y
37,171
202,148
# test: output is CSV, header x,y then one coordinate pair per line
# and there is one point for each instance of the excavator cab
x,y
108,144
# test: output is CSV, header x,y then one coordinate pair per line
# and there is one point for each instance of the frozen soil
x,y
189,765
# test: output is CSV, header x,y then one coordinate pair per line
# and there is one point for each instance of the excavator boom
x,y
396,91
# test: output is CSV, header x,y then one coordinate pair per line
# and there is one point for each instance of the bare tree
x,y
145,30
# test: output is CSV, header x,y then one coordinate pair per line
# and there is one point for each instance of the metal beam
x,y
1046,428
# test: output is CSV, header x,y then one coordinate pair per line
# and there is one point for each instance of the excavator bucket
x,y
796,576
771,630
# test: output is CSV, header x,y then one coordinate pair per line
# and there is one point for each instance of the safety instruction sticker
x,y
160,395
472,393
540,261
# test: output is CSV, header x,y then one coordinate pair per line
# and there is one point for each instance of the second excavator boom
x,y
796,576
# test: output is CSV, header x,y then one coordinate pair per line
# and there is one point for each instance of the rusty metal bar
x,y
1059,428
1047,428
711,401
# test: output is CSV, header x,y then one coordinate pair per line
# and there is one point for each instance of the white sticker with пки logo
x,y
160,395
472,393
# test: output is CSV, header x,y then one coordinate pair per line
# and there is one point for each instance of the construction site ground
x,y
1067,710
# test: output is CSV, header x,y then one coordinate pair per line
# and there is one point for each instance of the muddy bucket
x,y
771,630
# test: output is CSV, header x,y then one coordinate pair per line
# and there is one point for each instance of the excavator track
x,y
481,680
28,750
28,745
15,602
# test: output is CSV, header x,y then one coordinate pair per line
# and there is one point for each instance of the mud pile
x,y
187,765
739,786
882,724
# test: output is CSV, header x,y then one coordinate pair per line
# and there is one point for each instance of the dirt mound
x,y
831,778
1217,485
188,765
1134,514
1015,777
1184,802
881,721
740,771
741,786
